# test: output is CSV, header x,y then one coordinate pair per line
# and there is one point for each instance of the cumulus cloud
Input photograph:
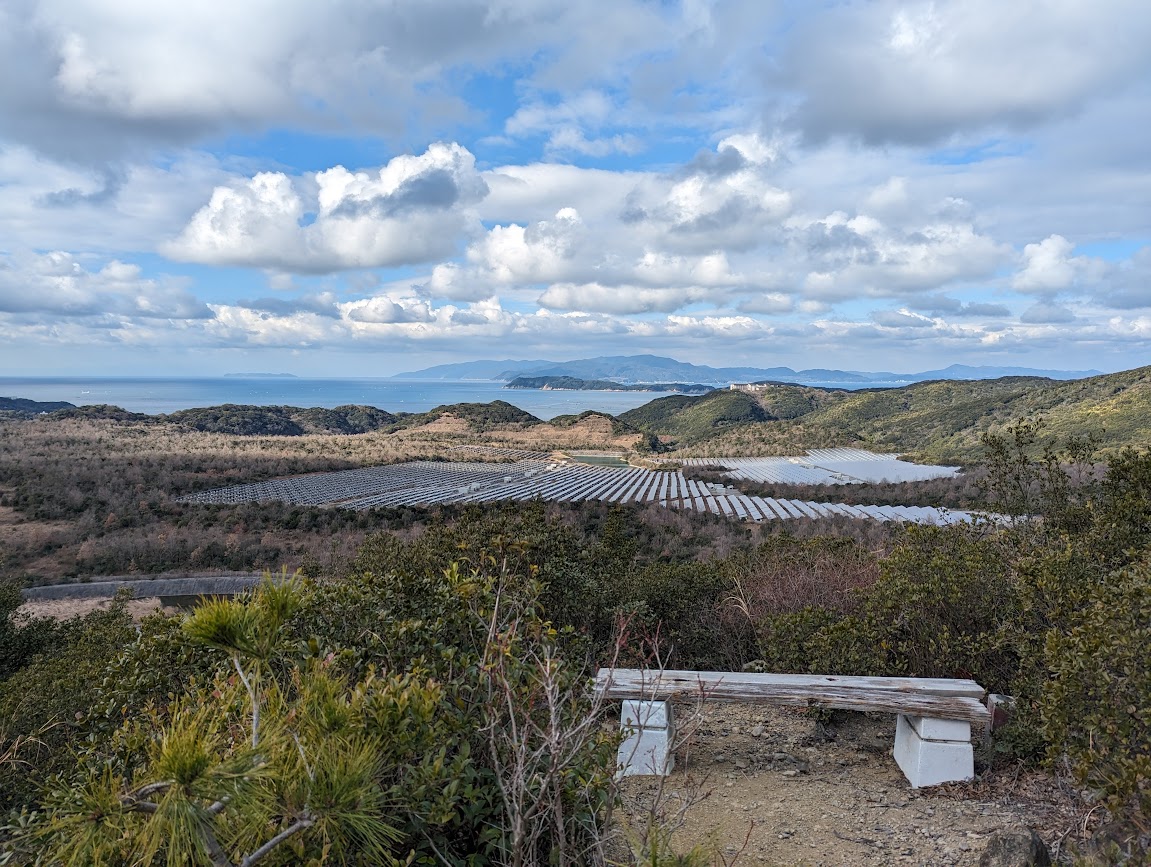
x,y
414,209
1128,282
1048,266
623,299
859,255
920,72
59,284
567,123
540,252
1045,313
727,201
767,302
100,80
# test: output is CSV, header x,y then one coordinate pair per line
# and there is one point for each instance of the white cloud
x,y
414,209
1045,313
624,299
1048,266
58,284
540,252
1050,269
895,71
727,201
859,255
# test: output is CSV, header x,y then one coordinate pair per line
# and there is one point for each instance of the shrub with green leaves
x,y
1097,707
414,717
943,606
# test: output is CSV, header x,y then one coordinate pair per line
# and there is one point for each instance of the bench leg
x,y
933,751
648,735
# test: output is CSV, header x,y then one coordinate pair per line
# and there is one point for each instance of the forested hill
x,y
23,406
940,419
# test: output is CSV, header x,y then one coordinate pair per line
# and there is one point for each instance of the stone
x,y
1015,847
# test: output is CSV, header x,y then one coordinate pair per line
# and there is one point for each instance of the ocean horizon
x,y
157,395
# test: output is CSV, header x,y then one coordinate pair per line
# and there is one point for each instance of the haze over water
x,y
164,395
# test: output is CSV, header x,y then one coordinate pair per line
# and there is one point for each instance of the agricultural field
x,y
535,476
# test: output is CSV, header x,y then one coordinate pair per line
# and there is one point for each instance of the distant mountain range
x,y
639,369
570,383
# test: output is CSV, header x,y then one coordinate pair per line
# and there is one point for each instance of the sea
x,y
163,395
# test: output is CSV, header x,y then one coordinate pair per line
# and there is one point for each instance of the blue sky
x,y
363,188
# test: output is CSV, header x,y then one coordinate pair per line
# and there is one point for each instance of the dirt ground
x,y
762,785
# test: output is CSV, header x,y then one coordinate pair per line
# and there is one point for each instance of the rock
x,y
1015,847
757,731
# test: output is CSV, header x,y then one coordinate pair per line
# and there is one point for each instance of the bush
x,y
1097,707
21,636
401,717
942,606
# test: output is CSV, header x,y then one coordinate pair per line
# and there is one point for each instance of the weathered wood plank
x,y
933,697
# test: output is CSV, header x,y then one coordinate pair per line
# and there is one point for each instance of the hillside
x,y
941,420
478,417
23,406
689,419
280,420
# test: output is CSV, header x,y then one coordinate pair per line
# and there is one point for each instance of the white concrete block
x,y
930,762
647,746
645,753
646,714
940,729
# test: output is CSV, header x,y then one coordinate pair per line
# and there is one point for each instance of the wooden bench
x,y
933,715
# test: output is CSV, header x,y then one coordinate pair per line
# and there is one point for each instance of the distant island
x,y
655,370
260,376
24,406
572,383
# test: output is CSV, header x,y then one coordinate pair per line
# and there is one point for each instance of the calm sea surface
x,y
394,395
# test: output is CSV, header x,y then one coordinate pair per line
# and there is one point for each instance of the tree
x,y
297,759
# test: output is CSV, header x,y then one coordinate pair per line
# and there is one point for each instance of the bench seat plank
x,y
937,698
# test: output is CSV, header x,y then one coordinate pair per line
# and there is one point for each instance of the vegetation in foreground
x,y
411,711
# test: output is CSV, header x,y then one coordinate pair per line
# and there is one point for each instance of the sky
x,y
364,187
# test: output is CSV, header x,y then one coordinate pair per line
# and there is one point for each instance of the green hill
x,y
244,420
23,406
689,419
479,416
619,427
941,420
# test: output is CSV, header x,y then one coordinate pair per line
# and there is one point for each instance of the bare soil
x,y
765,785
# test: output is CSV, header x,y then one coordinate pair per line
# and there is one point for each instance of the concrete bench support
x,y
933,728
648,735
933,751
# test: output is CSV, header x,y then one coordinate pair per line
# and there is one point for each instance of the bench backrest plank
x,y
937,698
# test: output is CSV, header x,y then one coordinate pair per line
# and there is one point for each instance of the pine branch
x,y
263,851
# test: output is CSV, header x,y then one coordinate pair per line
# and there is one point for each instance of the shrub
x,y
942,606
411,716
1097,707
21,636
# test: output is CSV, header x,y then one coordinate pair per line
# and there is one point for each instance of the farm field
x,y
535,476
